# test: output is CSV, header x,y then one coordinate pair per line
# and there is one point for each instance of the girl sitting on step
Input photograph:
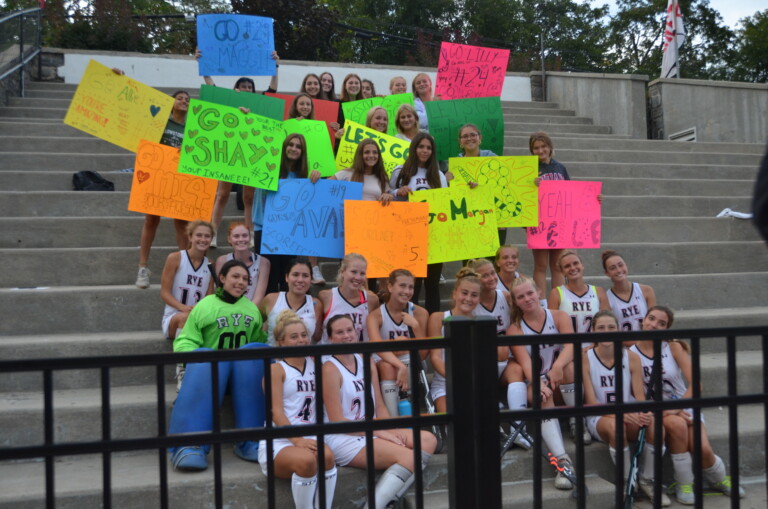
x,y
629,301
258,266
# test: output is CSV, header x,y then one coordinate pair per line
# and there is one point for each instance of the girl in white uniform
x,y
529,318
629,301
297,299
258,266
344,396
466,297
507,263
600,388
678,424
350,297
580,300
398,318
293,404
186,278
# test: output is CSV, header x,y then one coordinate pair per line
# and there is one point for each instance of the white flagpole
x,y
674,36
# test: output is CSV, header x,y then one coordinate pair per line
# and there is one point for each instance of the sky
x,y
730,10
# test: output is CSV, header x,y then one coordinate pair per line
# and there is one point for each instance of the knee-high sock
x,y
569,394
647,470
517,396
303,489
193,410
683,466
390,393
550,432
330,487
627,459
391,483
715,473
425,457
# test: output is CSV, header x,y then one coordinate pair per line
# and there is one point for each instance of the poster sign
x,y
307,219
327,111
260,104
118,109
357,111
465,71
394,151
569,216
158,189
446,117
319,149
235,45
390,237
510,178
462,223
226,144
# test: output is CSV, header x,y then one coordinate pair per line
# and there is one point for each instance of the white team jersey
x,y
581,308
673,381
508,288
437,378
306,312
500,312
604,379
189,283
548,353
299,392
341,306
630,313
352,390
253,272
390,329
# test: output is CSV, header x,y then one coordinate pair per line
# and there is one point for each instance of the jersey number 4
x,y
305,413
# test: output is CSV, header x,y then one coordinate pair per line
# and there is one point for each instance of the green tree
x,y
751,59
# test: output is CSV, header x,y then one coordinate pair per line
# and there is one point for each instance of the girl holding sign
x,y
293,404
422,92
377,119
302,107
398,85
368,168
420,172
345,400
629,301
328,85
311,86
367,89
258,266
406,122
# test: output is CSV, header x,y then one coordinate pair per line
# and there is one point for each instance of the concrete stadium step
x,y
20,180
544,120
62,203
33,112
530,111
593,143
530,104
555,129
516,133
668,187
72,161
60,144
77,345
46,129
662,170
647,156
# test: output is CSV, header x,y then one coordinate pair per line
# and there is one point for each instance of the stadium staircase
x,y
69,263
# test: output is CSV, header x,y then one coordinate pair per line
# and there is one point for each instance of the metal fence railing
x,y
20,42
472,418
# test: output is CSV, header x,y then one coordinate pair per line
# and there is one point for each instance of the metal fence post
x,y
474,466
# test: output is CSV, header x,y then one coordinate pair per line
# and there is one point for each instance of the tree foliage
x,y
751,60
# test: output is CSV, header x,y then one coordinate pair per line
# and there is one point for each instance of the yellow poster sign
x,y
394,151
118,109
510,181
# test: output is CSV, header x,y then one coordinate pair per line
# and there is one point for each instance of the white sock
x,y
683,466
517,397
303,489
390,483
550,432
627,459
390,393
425,457
330,488
647,469
569,394
715,473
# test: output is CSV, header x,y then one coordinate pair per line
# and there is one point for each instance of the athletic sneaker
x,y
523,439
586,436
684,494
725,487
646,487
561,481
442,279
180,369
142,278
317,276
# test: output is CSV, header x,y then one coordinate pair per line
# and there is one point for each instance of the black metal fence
x,y
20,42
472,419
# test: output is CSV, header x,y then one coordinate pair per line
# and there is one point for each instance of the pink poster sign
x,y
465,72
569,216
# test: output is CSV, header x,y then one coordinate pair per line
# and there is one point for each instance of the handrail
x,y
37,47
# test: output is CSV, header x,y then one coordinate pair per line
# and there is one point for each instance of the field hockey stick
x,y
629,494
429,405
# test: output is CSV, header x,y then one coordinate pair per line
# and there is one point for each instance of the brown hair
x,y
198,222
358,165
664,309
517,313
405,107
540,136
600,314
304,84
293,111
299,167
610,253
345,97
328,96
466,274
411,165
384,294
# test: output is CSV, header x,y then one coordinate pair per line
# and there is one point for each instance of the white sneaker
x,y
725,487
317,276
684,494
561,481
142,278
646,487
586,437
180,369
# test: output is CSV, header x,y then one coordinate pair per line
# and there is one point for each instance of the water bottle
x,y
404,407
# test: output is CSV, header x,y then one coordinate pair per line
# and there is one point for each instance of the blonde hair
x,y
371,113
517,313
286,318
501,248
565,253
192,225
466,274
349,258
405,107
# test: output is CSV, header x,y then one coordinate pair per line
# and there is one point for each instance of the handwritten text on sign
x,y
446,117
510,179
390,237
226,144
569,216
158,189
307,219
118,109
235,44
465,71
394,151
462,223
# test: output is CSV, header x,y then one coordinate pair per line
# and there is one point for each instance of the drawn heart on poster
x,y
192,133
270,166
243,135
268,139
189,149
274,151
142,176
229,135
248,121
255,132
197,109
154,110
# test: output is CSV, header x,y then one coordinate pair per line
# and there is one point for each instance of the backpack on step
x,y
91,181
